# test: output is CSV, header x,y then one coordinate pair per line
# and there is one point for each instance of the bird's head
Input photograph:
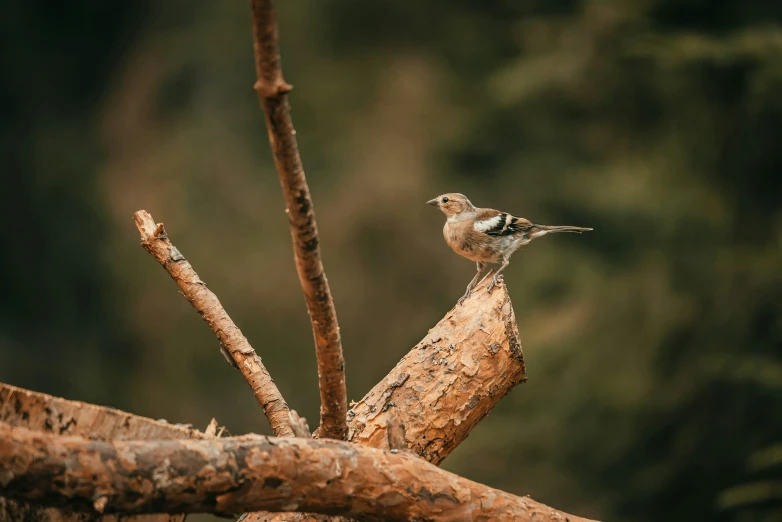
x,y
451,204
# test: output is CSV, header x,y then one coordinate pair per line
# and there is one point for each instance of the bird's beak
x,y
434,202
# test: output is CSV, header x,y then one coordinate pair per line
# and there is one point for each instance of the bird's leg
x,y
505,262
480,267
487,274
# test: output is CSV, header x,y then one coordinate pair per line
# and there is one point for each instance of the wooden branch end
x,y
145,224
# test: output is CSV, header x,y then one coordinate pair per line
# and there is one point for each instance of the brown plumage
x,y
487,236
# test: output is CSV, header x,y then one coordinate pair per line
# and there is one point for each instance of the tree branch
x,y
225,476
42,412
155,241
449,381
444,386
272,91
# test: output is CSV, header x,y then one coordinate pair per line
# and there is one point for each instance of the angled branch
x,y
272,91
225,476
449,381
155,241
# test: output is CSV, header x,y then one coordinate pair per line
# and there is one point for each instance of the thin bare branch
x,y
226,476
272,89
155,241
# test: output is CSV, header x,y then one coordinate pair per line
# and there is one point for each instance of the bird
x,y
487,236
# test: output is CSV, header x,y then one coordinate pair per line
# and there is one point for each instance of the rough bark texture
x,y
395,432
225,476
155,241
444,386
44,413
272,89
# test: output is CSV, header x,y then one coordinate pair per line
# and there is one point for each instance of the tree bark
x,y
155,241
44,413
444,386
272,90
226,476
449,381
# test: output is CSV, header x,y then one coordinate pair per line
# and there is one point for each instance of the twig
x,y
299,424
156,242
225,476
272,89
211,429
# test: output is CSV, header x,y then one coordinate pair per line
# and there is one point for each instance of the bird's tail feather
x,y
578,230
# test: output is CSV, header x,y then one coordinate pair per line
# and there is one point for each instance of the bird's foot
x,y
493,282
464,297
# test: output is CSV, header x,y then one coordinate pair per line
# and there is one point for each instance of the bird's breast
x,y
468,243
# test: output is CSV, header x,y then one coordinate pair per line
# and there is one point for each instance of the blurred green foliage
x,y
653,343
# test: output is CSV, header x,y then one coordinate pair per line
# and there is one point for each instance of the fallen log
x,y
226,476
48,414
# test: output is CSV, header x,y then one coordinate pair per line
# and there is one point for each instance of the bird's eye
x,y
445,200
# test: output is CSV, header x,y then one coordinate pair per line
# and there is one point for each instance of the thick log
x,y
226,476
47,414
449,381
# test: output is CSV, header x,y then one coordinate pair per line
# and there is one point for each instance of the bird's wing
x,y
495,223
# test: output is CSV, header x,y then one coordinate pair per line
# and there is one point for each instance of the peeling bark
x,y
444,386
449,381
226,476
44,413
155,241
299,425
395,432
272,90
